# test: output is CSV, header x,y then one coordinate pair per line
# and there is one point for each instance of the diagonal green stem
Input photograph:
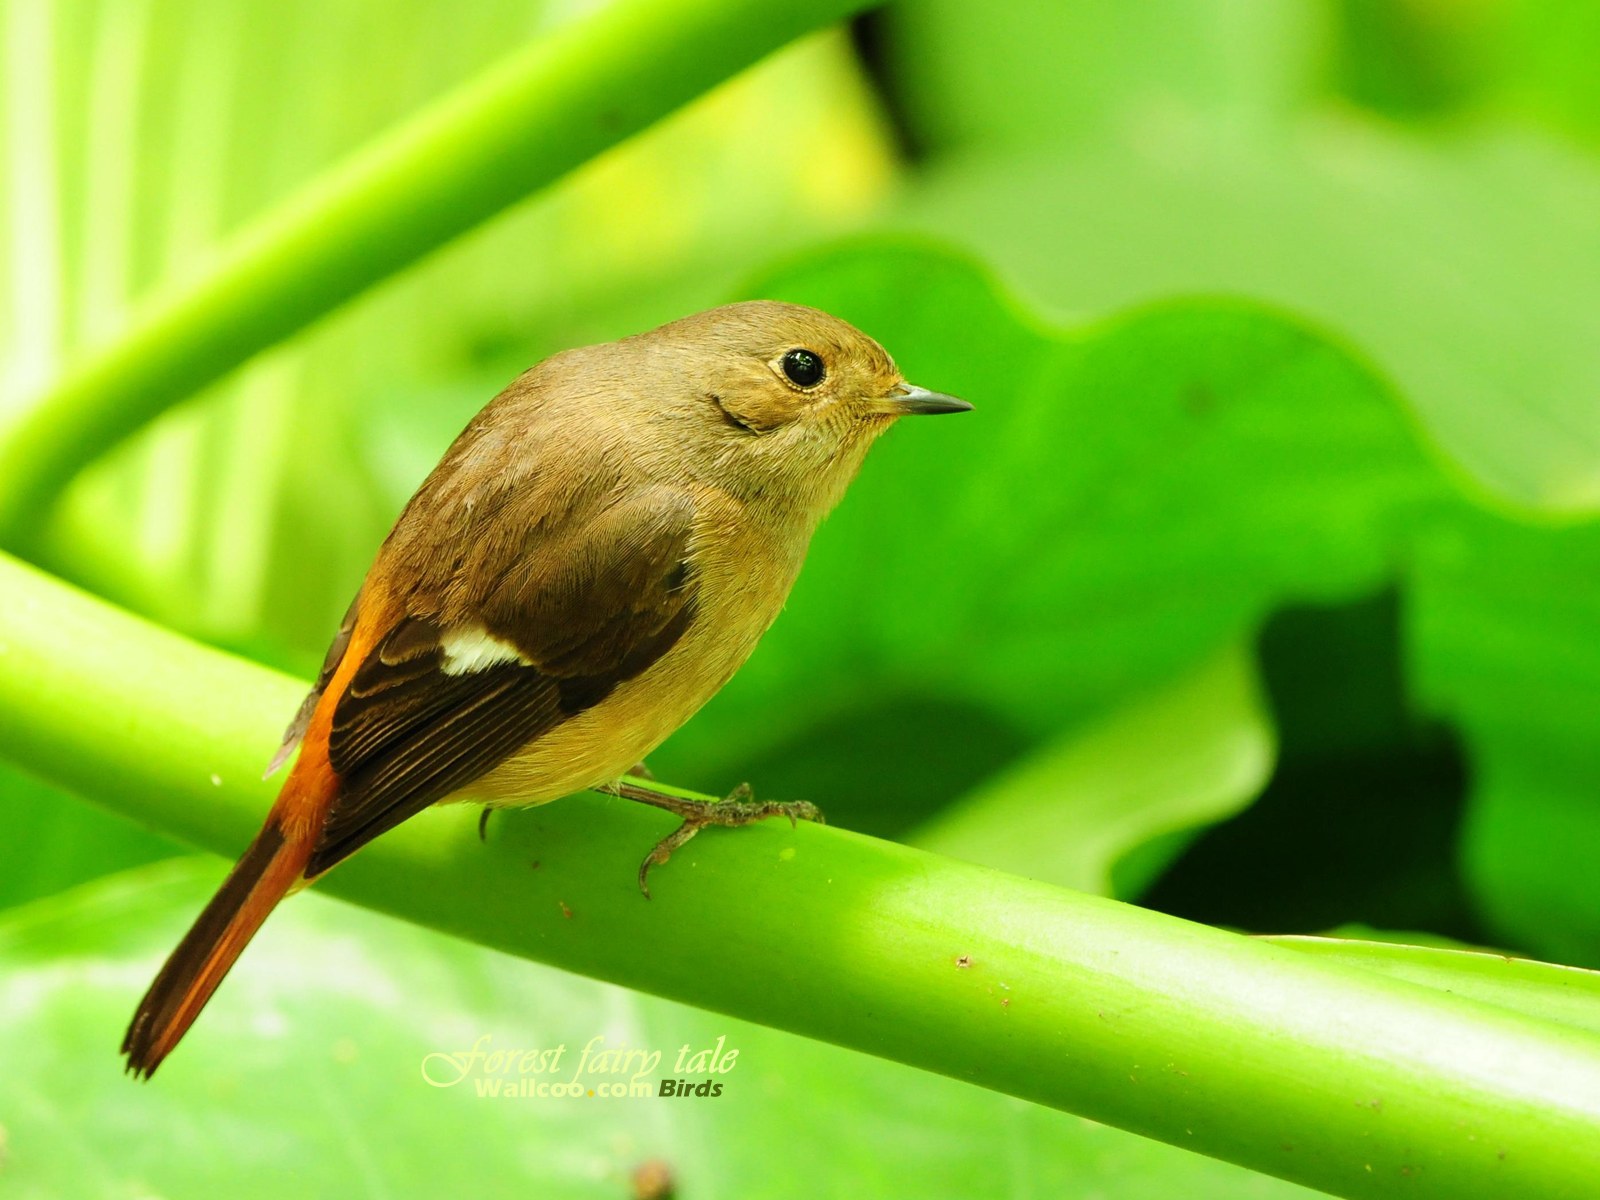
x,y
1335,1076
544,110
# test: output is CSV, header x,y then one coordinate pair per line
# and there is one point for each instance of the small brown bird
x,y
590,562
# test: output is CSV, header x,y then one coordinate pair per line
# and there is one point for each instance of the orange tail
x,y
268,870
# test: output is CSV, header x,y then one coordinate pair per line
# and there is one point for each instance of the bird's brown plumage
x,y
590,561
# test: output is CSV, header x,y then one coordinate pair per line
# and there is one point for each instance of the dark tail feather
x,y
263,876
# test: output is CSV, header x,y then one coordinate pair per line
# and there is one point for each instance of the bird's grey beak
x,y
908,399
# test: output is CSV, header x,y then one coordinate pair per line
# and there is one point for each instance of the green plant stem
x,y
1567,995
1331,1075
546,109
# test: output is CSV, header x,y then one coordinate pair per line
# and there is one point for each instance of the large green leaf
x,y
308,1072
1465,270
1182,151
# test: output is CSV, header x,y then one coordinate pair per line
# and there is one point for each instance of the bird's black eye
x,y
803,367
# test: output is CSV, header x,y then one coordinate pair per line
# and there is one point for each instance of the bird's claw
x,y
739,807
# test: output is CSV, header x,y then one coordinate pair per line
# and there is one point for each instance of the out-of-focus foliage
x,y
1277,316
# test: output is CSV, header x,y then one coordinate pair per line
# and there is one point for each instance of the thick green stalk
x,y
546,109
1335,1076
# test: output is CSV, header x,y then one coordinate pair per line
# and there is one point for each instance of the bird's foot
x,y
739,808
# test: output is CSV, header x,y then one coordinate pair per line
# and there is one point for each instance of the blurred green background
x,y
1260,589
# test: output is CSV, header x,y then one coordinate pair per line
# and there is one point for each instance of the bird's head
x,y
783,399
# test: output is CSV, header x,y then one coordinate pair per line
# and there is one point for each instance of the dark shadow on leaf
x,y
1361,820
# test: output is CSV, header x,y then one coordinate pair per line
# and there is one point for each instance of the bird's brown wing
x,y
582,608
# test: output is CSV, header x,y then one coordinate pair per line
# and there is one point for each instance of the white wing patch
x,y
473,648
